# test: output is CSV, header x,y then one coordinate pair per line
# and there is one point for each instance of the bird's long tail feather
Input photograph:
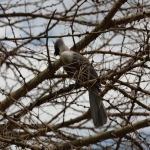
x,y
98,111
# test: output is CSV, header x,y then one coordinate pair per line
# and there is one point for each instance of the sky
x,y
58,30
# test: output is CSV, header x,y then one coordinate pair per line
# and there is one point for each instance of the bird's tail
x,y
98,111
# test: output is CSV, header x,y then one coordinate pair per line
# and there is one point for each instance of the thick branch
x,y
106,135
14,96
103,25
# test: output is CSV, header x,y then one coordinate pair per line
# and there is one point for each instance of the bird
x,y
78,67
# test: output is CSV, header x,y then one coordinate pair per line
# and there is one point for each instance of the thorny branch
x,y
114,35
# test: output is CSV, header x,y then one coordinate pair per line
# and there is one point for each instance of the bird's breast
x,y
67,57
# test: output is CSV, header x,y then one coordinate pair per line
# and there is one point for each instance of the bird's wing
x,y
86,69
75,62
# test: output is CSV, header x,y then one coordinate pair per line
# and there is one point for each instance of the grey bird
x,y
79,67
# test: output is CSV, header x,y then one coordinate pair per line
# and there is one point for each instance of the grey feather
x,y
98,111
80,68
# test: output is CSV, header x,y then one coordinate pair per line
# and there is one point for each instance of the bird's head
x,y
57,46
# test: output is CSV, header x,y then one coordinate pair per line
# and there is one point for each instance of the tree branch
x,y
105,136
22,91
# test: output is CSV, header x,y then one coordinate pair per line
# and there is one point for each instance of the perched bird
x,y
79,67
